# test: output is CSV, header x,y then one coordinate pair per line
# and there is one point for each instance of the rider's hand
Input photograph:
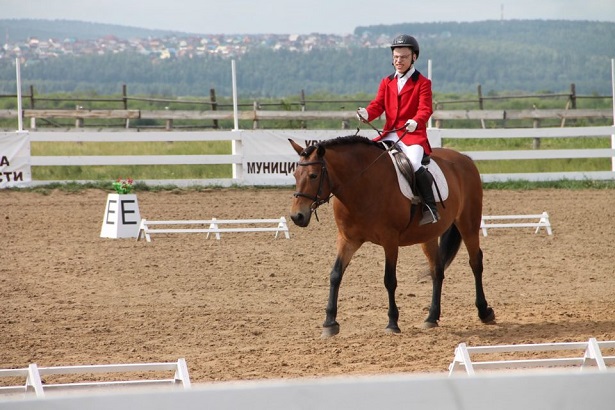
x,y
411,125
362,114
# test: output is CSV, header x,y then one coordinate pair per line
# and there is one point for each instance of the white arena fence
x,y
213,226
501,391
264,157
33,377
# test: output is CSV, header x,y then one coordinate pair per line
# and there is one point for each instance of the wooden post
x,y
255,121
214,104
573,96
438,121
31,97
125,101
78,121
536,142
480,97
480,104
32,120
303,125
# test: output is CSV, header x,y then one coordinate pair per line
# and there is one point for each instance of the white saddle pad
x,y
438,178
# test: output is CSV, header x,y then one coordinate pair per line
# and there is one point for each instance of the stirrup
x,y
429,217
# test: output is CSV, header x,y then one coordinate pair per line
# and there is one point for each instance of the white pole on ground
x,y
613,102
18,78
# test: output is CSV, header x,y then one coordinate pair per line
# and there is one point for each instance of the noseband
x,y
317,200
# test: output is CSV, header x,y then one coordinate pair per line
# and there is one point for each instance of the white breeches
x,y
413,152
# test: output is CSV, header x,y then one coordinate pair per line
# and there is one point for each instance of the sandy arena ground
x,y
251,306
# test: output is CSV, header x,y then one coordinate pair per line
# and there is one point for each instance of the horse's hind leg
x,y
472,243
345,250
436,269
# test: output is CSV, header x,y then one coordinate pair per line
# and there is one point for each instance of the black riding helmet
x,y
405,40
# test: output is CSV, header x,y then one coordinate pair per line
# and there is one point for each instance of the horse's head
x,y
312,183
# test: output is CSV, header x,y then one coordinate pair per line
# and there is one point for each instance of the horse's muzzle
x,y
301,219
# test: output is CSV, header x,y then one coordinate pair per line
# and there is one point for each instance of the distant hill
x,y
510,55
23,29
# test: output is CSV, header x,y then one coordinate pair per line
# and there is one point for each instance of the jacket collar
x,y
414,76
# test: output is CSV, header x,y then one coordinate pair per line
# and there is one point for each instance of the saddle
x,y
405,170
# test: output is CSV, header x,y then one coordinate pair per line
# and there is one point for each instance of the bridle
x,y
317,200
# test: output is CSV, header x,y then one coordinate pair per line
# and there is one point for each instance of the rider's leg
x,y
424,181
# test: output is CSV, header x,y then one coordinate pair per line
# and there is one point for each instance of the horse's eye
x,y
313,176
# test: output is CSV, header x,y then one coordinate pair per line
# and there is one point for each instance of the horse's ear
x,y
296,146
320,150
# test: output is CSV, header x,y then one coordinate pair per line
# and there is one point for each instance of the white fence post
x,y
613,103
19,107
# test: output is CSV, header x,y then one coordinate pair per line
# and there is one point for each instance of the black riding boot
x,y
424,180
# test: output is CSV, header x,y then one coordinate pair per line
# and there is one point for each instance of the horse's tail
x,y
450,242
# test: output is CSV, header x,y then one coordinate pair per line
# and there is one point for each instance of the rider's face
x,y
402,59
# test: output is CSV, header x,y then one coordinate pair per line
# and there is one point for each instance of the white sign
x,y
122,217
269,159
15,159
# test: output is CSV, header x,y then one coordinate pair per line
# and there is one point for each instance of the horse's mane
x,y
347,140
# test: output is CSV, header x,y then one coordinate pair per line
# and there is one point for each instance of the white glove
x,y
411,125
362,114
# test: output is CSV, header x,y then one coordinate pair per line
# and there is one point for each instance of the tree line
x,y
526,56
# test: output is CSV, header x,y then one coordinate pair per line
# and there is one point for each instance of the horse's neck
x,y
362,173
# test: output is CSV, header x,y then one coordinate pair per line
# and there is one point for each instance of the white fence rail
x,y
588,355
33,376
282,153
555,390
543,222
213,226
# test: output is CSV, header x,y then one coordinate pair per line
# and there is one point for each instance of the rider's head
x,y
405,50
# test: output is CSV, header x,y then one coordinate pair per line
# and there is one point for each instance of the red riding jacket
x,y
413,102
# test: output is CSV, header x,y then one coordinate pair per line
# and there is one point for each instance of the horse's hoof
x,y
392,330
490,318
429,325
330,331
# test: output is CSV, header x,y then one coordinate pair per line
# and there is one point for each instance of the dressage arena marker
x,y
592,356
34,382
214,227
543,222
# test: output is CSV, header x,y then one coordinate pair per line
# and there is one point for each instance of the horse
x,y
369,206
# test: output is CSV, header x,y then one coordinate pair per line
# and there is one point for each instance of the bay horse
x,y
369,207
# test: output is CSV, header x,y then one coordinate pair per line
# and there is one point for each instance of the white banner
x,y
15,159
268,157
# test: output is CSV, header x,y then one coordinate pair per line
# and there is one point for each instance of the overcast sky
x,y
298,16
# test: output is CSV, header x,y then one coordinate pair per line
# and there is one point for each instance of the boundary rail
x,y
214,227
592,356
236,159
543,222
34,383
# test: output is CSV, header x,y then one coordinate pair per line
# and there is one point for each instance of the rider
x,y
405,97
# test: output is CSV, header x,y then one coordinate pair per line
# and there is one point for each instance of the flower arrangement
x,y
123,186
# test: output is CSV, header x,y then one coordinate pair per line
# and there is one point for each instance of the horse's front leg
x,y
390,283
345,250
